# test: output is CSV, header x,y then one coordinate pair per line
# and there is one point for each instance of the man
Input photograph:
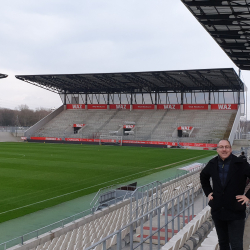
x,y
226,195
242,156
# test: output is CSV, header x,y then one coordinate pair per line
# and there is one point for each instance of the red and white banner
x,y
75,106
97,106
204,145
224,106
46,138
195,106
128,126
78,125
82,139
143,106
207,145
119,106
185,128
168,106
23,138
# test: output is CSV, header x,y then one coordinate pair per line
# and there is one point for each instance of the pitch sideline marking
x,y
94,186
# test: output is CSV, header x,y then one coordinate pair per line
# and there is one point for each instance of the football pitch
x,y
35,176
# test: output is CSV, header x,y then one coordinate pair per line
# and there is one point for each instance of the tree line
x,y
22,116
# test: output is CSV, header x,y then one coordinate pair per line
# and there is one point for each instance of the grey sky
x,y
90,36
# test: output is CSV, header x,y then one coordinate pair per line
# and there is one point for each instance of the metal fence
x,y
178,207
143,191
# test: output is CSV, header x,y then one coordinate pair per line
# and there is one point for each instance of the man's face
x,y
224,149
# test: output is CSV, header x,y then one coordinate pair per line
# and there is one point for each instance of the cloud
x,y
62,36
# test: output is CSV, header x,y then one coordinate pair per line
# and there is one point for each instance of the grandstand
x,y
148,108
189,108
3,76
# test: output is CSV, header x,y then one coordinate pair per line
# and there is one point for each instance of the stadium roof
x,y
228,23
3,76
159,81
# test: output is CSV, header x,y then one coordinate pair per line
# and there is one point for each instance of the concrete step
x,y
137,238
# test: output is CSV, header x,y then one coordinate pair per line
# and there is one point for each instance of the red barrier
x,y
204,145
195,106
78,125
168,106
46,138
224,106
184,128
82,139
120,106
75,106
143,106
97,106
128,126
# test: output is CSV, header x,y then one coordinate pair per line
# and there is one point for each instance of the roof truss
x,y
228,22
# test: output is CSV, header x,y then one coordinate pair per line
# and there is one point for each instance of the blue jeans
x,y
230,231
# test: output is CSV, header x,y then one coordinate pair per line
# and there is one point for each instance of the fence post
x,y
172,213
119,240
159,227
104,247
192,202
150,228
183,207
188,199
141,232
131,208
178,212
166,222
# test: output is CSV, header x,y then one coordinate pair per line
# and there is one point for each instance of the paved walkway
x,y
8,137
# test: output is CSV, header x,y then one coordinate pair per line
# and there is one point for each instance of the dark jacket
x,y
224,198
243,157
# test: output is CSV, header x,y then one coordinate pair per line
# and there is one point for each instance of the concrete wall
x,y
28,133
241,142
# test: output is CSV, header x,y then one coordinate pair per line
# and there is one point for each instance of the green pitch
x,y
36,176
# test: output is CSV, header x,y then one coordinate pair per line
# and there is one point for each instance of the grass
x,y
45,174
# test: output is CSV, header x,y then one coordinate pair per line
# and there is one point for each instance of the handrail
x,y
147,214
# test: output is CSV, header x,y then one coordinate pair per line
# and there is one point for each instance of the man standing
x,y
226,195
242,156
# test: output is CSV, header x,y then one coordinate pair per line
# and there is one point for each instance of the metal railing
x,y
179,207
144,190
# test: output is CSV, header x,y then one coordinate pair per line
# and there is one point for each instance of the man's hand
x,y
242,198
210,196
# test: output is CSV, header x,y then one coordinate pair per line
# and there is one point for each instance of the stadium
x,y
104,151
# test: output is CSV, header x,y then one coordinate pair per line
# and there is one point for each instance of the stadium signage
x,y
187,144
143,106
128,126
168,106
75,106
195,106
119,106
97,106
23,138
82,139
224,106
185,128
78,125
46,138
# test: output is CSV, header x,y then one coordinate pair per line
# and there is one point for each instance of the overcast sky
x,y
98,36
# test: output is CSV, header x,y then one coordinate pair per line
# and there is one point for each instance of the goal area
x,y
110,140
